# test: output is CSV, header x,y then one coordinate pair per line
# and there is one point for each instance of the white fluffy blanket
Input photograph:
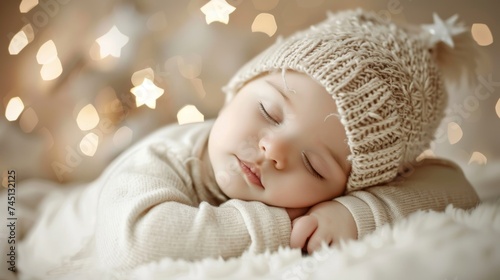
x,y
454,244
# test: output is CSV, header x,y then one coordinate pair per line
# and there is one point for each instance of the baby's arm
x,y
148,210
433,185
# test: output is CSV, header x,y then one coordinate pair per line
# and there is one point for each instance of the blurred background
x,y
82,80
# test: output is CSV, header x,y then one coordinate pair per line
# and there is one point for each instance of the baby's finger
x,y
316,241
302,229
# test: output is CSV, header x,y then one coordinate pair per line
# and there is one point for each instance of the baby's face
x,y
280,144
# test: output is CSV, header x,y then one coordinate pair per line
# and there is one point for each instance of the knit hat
x,y
383,78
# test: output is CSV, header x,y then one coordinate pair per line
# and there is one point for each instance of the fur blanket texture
x,y
454,244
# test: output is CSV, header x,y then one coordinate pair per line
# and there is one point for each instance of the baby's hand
x,y
327,222
294,213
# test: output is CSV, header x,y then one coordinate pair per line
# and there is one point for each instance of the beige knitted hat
x,y
383,78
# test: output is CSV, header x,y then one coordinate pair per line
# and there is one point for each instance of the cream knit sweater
x,y
159,199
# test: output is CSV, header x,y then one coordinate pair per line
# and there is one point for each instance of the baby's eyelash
x,y
266,115
310,167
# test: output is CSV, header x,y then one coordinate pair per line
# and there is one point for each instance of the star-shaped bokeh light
x,y
112,42
146,93
443,31
217,10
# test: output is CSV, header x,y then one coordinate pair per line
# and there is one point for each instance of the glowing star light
x,y
112,42
146,93
217,10
443,31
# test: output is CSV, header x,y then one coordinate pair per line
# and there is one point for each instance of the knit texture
x,y
383,78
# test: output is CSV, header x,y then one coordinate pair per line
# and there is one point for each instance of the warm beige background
x,y
184,51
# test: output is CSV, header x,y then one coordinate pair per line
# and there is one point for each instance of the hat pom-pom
x,y
454,49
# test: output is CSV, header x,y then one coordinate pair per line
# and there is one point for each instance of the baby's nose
x,y
276,149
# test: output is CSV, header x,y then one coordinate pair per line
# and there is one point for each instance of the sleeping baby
x,y
317,142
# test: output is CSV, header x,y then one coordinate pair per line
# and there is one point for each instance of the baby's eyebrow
x,y
278,89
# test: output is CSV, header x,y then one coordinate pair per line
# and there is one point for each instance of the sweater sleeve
x,y
431,185
148,210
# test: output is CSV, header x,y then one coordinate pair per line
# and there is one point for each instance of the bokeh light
x,y
189,66
14,108
21,39
89,144
27,5
46,53
264,23
189,114
123,137
478,158
482,34
51,70
497,107
217,10
139,76
455,133
426,154
146,93
87,118
112,43
51,65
